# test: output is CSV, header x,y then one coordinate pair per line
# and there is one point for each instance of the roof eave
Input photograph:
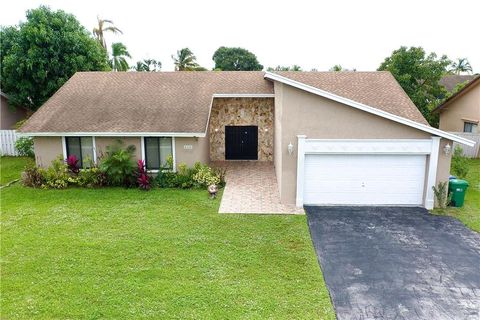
x,y
369,109
113,134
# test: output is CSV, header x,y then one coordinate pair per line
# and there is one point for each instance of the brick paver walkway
x,y
252,188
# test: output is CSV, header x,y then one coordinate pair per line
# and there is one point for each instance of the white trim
x,y
244,95
366,108
94,146
209,114
114,134
64,148
174,156
368,146
300,169
432,173
425,147
142,146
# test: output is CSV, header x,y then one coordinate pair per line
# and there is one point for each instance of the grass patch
x,y
469,214
11,168
163,254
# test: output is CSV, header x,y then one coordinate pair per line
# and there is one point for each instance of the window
x,y
157,150
82,148
470,127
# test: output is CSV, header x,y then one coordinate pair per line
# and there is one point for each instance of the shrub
x,y
206,176
24,146
459,163
91,178
118,165
441,196
33,177
57,176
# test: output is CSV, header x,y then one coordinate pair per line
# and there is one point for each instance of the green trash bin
x,y
457,188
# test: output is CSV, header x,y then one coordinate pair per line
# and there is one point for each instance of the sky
x,y
313,34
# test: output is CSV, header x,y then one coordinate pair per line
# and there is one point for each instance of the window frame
x,y
145,157
65,149
471,124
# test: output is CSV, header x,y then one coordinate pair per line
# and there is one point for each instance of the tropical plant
x,y
143,179
206,176
148,65
235,59
441,195
461,65
24,146
117,164
72,164
419,75
57,175
42,53
104,25
336,67
185,60
459,164
119,55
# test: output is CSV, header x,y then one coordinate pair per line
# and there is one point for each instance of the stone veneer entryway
x,y
241,112
252,188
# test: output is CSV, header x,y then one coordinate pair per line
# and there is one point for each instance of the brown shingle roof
x,y
180,101
377,89
451,80
459,93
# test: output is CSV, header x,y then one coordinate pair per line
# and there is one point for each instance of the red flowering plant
x,y
143,179
72,164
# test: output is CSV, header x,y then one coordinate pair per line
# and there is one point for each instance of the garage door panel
x,y
364,179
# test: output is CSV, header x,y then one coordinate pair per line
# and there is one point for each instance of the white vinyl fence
x,y
7,142
470,152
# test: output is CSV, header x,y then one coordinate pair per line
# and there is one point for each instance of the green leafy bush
x,y
206,176
33,177
459,165
57,175
24,146
118,166
91,178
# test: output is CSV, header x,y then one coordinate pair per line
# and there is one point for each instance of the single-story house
x,y
333,137
461,111
9,116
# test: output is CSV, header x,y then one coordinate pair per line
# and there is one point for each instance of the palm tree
x,y
461,65
119,53
185,60
104,26
337,67
148,65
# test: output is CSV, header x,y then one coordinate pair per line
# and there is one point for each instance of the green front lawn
x,y
117,253
11,168
469,214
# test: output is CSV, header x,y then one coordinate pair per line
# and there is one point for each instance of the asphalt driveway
x,y
397,263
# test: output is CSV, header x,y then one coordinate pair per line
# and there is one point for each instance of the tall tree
x,y
419,75
148,65
235,59
461,65
42,53
103,26
337,67
185,60
119,55
285,68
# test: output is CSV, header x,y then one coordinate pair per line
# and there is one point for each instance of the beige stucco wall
x,y
102,143
241,112
199,151
319,118
8,117
464,107
47,149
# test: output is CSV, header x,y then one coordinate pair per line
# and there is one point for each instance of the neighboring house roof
x,y
450,81
459,93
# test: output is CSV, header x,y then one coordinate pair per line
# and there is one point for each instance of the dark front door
x,y
241,142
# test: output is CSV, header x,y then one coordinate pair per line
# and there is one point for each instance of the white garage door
x,y
364,179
